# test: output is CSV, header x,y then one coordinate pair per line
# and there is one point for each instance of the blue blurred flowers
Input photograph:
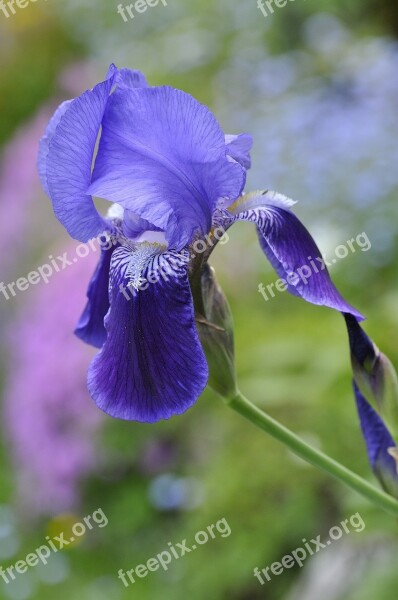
x,y
173,177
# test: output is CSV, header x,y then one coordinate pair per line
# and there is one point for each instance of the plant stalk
x,y
315,457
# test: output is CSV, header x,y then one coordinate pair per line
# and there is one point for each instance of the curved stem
x,y
318,459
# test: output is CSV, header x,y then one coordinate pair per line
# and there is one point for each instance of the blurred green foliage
x,y
28,74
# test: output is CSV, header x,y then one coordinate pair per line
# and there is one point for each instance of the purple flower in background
x,y
174,178
18,188
50,421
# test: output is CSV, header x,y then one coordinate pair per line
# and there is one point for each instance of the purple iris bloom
x,y
172,176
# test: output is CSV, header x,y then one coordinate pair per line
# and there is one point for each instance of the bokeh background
x,y
316,83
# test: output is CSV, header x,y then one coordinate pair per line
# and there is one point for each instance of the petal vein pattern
x,y
152,365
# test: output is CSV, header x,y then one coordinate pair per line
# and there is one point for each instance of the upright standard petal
x,y
45,142
238,148
129,78
162,155
133,225
152,365
91,327
380,445
291,249
69,161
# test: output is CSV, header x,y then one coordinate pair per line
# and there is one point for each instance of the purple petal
x,y
291,250
45,142
128,78
162,155
69,161
152,365
361,346
133,225
91,328
378,442
238,148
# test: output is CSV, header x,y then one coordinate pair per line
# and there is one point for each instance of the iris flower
x,y
172,177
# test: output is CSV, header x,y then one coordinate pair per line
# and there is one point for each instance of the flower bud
x,y
215,327
382,449
374,374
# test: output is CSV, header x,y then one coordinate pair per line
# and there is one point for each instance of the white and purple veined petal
x,y
152,365
290,248
121,225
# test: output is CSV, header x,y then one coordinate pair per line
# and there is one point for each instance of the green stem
x,y
248,410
